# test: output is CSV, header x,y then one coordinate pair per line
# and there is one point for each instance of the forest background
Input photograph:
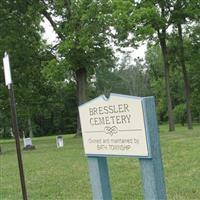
x,y
50,81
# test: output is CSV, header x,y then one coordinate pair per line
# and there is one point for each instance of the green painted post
x,y
152,169
99,178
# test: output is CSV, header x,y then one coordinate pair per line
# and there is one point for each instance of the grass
x,y
62,174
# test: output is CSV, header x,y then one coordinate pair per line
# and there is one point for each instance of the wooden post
x,y
99,178
8,81
17,141
140,128
152,169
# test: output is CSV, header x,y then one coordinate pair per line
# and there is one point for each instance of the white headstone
x,y
27,142
59,142
114,126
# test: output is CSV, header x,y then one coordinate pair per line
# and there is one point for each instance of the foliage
x,y
83,31
20,37
83,28
193,62
124,79
37,99
149,21
155,72
86,33
180,113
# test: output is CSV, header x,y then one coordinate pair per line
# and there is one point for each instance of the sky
x,y
50,36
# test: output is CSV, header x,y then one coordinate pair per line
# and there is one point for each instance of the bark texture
x,y
81,79
162,39
185,77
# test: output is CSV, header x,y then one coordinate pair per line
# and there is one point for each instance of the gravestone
x,y
123,126
28,144
59,141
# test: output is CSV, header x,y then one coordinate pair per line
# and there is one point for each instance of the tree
x,y
127,78
134,76
154,62
182,13
192,54
82,28
20,36
143,20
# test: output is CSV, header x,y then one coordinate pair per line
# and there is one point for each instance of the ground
x,y
62,174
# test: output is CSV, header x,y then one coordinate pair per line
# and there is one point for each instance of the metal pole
x,y
17,141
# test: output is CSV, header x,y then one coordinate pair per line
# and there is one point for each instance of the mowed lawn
x,y
62,174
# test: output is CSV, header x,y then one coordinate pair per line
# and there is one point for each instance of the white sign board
x,y
7,73
114,126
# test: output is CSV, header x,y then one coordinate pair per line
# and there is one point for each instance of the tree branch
x,y
48,16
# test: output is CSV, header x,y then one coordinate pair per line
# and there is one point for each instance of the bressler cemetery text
x,y
114,126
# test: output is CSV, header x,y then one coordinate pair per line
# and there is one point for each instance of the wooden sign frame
x,y
126,122
152,171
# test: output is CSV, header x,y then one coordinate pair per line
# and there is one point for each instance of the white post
x,y
7,72
8,81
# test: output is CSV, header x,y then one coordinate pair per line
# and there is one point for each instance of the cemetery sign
x,y
114,126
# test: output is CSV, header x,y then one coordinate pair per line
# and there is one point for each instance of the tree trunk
x,y
162,39
185,77
30,127
81,79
